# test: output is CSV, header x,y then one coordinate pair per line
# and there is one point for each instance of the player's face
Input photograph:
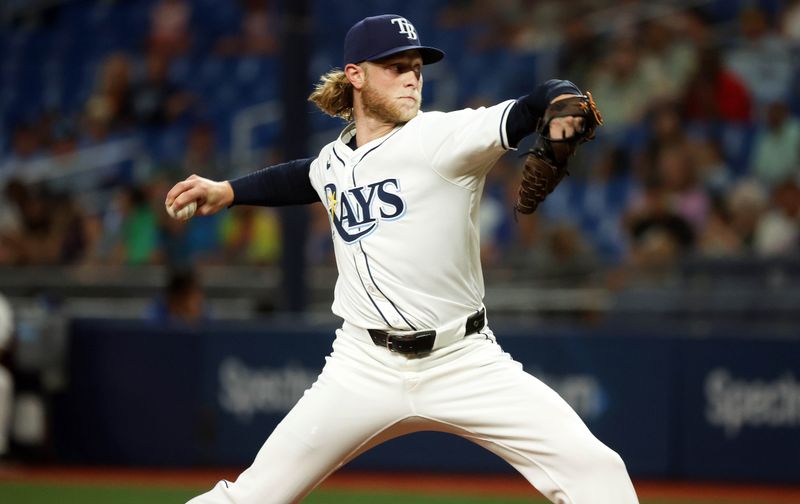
x,y
392,89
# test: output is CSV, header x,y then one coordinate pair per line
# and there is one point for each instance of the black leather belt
x,y
420,342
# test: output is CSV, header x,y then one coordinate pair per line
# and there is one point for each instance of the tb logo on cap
x,y
406,28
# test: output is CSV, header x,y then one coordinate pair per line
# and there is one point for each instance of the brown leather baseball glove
x,y
546,163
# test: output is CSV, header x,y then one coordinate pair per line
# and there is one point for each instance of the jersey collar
x,y
349,132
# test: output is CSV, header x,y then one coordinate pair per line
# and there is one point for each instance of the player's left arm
x,y
464,145
524,116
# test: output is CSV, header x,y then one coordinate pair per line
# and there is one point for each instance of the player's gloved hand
x,y
567,126
569,121
210,196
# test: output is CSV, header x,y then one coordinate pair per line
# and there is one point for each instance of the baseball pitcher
x,y
402,189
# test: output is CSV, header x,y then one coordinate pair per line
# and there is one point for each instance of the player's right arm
x,y
278,185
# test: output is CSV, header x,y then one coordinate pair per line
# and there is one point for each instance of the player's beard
x,y
383,108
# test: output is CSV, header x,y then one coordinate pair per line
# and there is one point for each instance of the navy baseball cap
x,y
376,37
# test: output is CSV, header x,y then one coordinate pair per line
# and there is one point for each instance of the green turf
x,y
13,493
19,493
343,497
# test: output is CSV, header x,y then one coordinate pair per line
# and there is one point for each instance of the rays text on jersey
x,y
362,208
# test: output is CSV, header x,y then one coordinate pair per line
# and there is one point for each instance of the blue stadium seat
x,y
794,98
215,16
559,204
737,145
165,144
266,135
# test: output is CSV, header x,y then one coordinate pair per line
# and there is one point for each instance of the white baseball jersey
x,y
404,217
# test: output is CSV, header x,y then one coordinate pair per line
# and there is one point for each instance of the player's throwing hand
x,y
210,196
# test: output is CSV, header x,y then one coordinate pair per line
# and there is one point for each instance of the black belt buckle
x,y
475,322
412,343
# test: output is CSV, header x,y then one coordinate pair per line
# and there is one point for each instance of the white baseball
x,y
184,213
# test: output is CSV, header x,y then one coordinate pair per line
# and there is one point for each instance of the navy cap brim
x,y
429,54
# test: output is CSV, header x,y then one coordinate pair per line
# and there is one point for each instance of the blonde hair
x,y
333,94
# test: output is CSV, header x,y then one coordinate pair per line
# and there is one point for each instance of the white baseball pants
x,y
367,395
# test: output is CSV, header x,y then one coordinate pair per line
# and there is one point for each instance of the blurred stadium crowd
x,y
106,103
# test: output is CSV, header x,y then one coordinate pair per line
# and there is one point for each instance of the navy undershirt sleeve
x,y
279,185
528,109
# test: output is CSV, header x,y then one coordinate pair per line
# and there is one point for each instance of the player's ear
x,y
355,74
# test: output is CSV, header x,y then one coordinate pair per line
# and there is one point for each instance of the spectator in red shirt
x,y
715,93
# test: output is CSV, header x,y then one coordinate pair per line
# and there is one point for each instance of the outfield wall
x,y
723,407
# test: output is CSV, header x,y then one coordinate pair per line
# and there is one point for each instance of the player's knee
x,y
602,460
219,494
